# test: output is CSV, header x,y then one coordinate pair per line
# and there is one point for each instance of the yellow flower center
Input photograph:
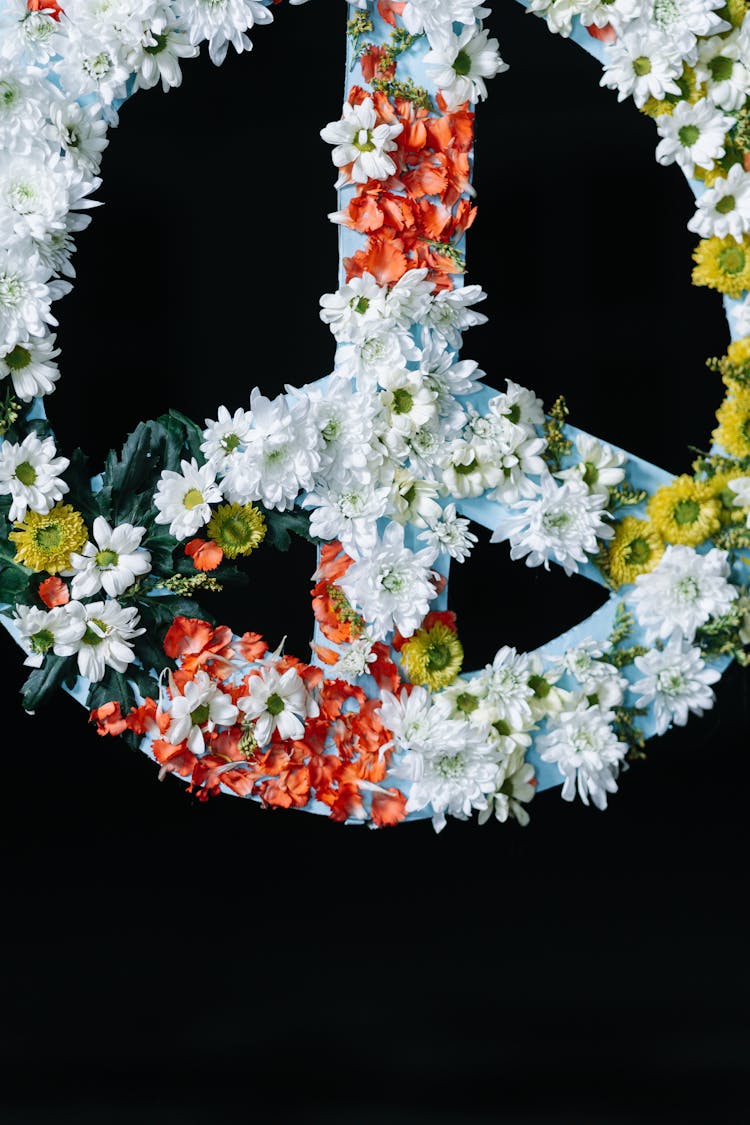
x,y
192,499
26,473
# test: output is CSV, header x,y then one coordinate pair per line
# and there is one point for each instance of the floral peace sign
x,y
385,462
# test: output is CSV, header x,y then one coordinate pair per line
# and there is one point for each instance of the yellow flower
x,y
237,528
635,549
710,175
738,351
685,511
433,656
723,264
734,11
733,431
45,542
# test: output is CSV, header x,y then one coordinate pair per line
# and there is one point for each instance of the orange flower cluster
x,y
412,219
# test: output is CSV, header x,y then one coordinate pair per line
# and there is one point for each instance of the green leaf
x,y
162,546
193,435
78,478
113,687
14,584
55,671
282,524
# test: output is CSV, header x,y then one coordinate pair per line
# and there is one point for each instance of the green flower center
x,y
721,68
393,582
642,66
466,703
157,47
686,512
42,641
364,141
688,135
590,473
26,473
540,687
192,498
200,715
449,767
731,261
19,358
556,521
105,559
438,657
8,94
229,443
11,290
464,470
638,551
726,204
403,401
274,704
462,63
91,637
502,728
48,538
514,414
362,305
235,532
687,589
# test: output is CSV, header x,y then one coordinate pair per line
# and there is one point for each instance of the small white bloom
x,y
42,631
199,708
642,64
562,523
407,402
362,144
26,294
277,703
29,365
354,307
349,449
349,514
354,660
683,591
559,14
106,641
90,66
451,312
516,787
184,499
381,348
80,131
724,208
226,437
505,691
518,405
221,22
692,134
409,299
596,676
112,562
157,58
413,500
599,13
435,18
676,681
724,66
470,468
741,488
450,533
599,465
741,316
392,586
29,475
586,751
24,98
25,35
461,63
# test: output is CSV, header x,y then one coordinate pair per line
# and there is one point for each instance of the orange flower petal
x,y
206,554
53,591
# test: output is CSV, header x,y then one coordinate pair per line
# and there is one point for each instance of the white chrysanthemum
x,y
354,660
349,514
113,23
407,403
29,475
724,67
26,36
692,134
344,419
159,53
380,349
450,533
515,788
198,709
225,438
37,194
517,456
80,131
409,299
562,523
741,317
24,99
586,751
362,144
518,405
112,562
448,378
505,690
559,14
184,499
470,467
461,63
447,760
741,488
599,467
221,22
596,676
277,703
42,631
683,591
282,454
675,681
354,307
26,293
106,642
451,312
30,367
724,208
435,18
640,64
617,13
89,66
412,499
680,22
393,586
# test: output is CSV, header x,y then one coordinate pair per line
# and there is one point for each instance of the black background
x,y
168,961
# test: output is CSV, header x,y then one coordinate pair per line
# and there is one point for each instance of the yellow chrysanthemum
x,y
738,351
723,264
433,657
734,11
685,511
690,92
635,549
719,485
237,528
733,431
45,542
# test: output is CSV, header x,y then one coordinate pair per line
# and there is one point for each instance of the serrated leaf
x,y
14,584
161,545
43,681
281,525
193,434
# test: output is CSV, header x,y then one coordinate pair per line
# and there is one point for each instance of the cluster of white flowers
x,y
99,634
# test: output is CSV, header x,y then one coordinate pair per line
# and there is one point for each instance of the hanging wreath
x,y
106,578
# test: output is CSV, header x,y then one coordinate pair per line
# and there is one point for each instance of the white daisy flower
x,y
461,63
106,641
599,465
470,468
392,587
563,522
506,692
413,500
409,299
226,437
157,58
518,405
354,660
349,514
676,682
723,65
516,787
26,293
407,402
680,22
559,14
80,131
184,499
683,592
450,533
596,676
29,475
435,18
451,312
617,13
29,365
362,143
692,134
640,64
741,487
112,562
724,208
586,751
448,378
221,22
42,631
277,703
198,709
26,36
354,307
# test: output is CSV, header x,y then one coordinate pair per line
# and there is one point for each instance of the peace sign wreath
x,y
384,463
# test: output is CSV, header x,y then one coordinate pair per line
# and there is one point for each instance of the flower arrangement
x,y
385,464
